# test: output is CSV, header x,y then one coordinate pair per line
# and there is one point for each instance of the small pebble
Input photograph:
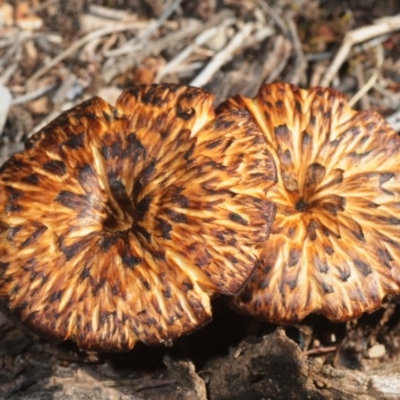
x,y
376,351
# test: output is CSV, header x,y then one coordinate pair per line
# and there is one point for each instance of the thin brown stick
x,y
320,350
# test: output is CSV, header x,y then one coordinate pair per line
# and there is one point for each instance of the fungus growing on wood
x,y
117,224
334,246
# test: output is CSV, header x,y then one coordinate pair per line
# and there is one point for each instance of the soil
x,y
234,356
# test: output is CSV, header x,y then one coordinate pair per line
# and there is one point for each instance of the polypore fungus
x,y
119,224
334,246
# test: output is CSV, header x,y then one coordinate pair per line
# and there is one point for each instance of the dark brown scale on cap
x,y
334,246
111,220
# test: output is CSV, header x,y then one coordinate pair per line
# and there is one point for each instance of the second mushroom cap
x,y
334,246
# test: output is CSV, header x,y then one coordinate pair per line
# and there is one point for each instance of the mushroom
x,y
118,224
334,246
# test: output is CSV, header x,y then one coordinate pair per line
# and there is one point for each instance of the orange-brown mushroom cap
x,y
118,224
334,246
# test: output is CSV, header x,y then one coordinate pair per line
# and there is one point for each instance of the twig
x,y
140,41
320,350
301,63
66,86
374,77
170,8
318,71
109,13
8,73
380,27
277,59
392,99
140,384
5,104
34,94
15,47
223,56
111,71
74,47
187,51
43,6
274,15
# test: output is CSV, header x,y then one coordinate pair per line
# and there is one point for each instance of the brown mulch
x,y
54,54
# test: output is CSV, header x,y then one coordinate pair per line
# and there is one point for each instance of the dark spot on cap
x,y
327,288
315,174
344,275
358,233
167,293
131,261
4,265
32,179
322,265
223,122
12,232
85,273
297,105
187,286
86,177
245,296
143,232
286,158
56,167
363,267
232,258
34,236
282,131
14,194
214,143
134,149
177,217
107,241
56,296
301,205
180,199
74,142
97,286
202,260
108,117
185,113
385,258
189,152
294,256
143,178
72,250
164,227
141,208
71,200
390,220
237,218
118,189
312,229
13,207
